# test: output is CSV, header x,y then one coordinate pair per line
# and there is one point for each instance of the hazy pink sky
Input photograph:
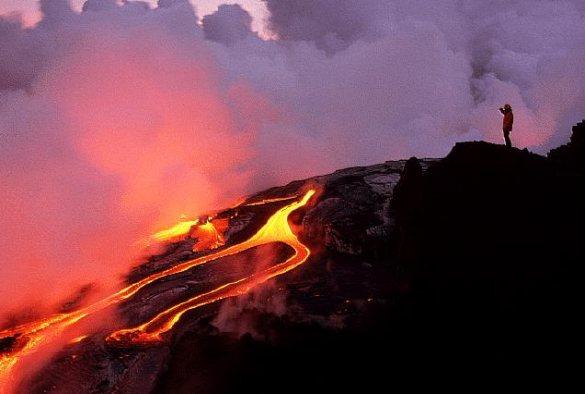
x,y
29,8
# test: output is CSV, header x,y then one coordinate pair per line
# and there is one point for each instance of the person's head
x,y
507,107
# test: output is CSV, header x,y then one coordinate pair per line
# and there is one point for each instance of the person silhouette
x,y
506,110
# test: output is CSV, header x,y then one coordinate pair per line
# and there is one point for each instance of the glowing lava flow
x,y
29,336
276,229
178,230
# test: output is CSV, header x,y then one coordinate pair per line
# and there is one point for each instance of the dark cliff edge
x,y
492,239
462,271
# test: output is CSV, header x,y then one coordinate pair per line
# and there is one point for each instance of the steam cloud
x,y
116,120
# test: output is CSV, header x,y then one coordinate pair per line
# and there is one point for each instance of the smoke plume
x,y
116,120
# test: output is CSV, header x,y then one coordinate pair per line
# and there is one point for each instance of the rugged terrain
x,y
466,269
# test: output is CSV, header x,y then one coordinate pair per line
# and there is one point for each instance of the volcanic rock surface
x,y
346,227
470,261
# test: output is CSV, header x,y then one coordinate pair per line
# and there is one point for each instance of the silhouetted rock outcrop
x,y
406,210
499,239
571,156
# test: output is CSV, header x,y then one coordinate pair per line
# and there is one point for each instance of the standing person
x,y
506,110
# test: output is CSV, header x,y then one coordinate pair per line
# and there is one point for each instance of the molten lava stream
x,y
177,231
27,342
275,230
163,322
32,335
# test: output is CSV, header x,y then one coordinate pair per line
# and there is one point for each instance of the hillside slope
x,y
465,269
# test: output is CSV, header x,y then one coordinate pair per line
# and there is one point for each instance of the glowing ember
x,y
209,235
30,336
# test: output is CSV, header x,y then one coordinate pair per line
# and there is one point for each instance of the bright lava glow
x,y
178,230
209,235
276,229
30,336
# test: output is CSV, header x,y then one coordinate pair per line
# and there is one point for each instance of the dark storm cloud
x,y
22,53
228,24
331,24
99,5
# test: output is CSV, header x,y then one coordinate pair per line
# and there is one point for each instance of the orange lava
x,y
276,229
179,230
209,235
30,336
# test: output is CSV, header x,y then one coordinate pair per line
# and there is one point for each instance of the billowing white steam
x,y
115,121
